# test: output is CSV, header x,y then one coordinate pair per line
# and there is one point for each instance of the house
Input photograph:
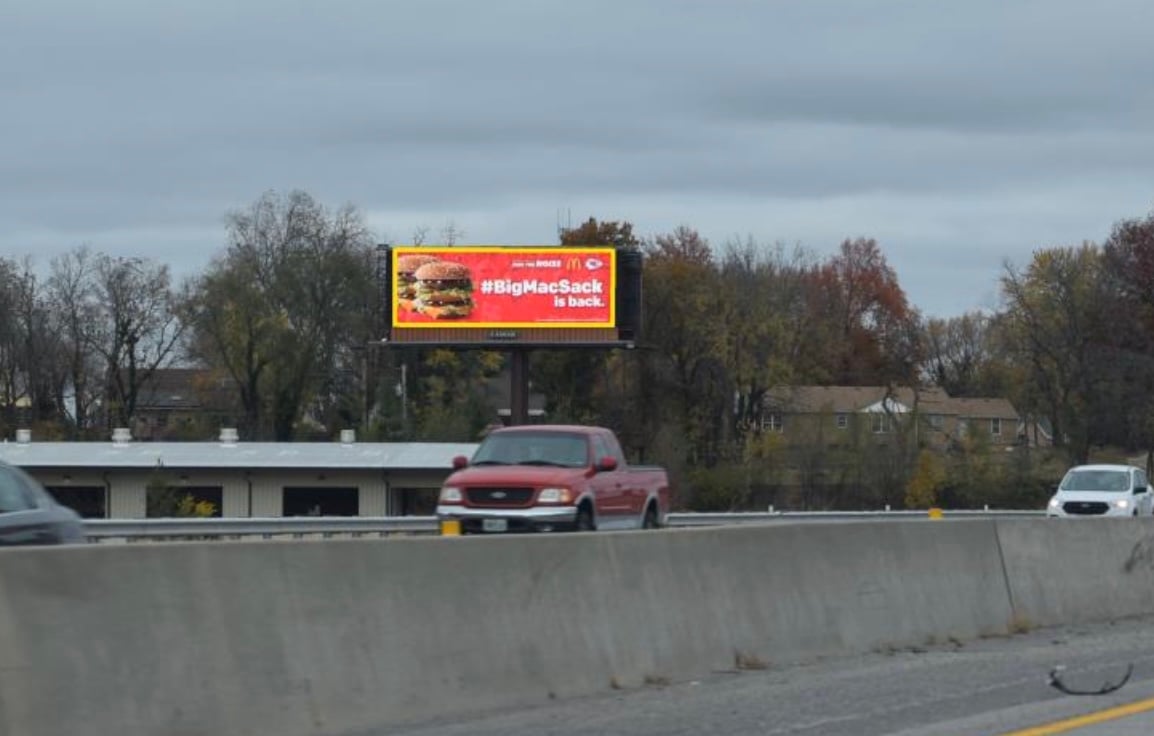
x,y
835,414
995,418
15,408
181,403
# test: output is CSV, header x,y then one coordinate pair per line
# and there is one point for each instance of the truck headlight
x,y
554,495
451,494
1054,503
1122,503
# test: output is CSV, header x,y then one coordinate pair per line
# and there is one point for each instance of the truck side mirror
x,y
607,463
459,462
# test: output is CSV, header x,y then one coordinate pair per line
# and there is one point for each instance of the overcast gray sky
x,y
958,134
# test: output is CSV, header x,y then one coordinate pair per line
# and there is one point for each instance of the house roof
x,y
983,409
852,399
179,388
245,455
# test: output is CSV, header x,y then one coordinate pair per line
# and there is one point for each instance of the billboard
x,y
503,287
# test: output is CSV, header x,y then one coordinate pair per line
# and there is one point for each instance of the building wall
x,y
257,493
71,478
268,488
126,489
805,428
403,485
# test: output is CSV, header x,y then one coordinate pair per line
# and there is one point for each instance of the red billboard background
x,y
518,287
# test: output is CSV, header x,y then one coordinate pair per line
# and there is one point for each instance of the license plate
x,y
494,525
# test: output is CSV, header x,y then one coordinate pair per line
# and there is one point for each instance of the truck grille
x,y
1085,508
499,496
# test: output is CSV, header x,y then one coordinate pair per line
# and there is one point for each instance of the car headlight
x,y
451,494
554,495
1122,503
1055,503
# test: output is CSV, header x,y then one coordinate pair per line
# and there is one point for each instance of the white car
x,y
1103,490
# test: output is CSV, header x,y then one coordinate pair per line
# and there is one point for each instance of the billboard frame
x,y
570,255
509,334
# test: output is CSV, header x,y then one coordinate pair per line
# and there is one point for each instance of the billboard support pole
x,y
519,386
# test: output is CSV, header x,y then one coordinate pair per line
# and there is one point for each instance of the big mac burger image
x,y
407,282
444,290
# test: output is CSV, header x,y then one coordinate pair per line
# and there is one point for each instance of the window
x,y
996,427
511,448
322,501
936,421
13,495
963,426
600,450
774,423
414,501
167,501
1096,480
842,421
604,446
88,501
881,422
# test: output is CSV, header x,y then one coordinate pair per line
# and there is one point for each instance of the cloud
x,y
959,136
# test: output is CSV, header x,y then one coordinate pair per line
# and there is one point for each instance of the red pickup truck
x,y
552,478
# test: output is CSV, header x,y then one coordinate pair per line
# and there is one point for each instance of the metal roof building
x,y
126,479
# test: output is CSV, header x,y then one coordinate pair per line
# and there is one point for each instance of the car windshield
x,y
533,448
1096,480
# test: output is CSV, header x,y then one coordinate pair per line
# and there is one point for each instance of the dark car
x,y
29,514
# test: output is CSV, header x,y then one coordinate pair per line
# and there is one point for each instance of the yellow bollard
x,y
450,527
935,513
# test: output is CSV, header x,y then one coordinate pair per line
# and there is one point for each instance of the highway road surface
x,y
997,686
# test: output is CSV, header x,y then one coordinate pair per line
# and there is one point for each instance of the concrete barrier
x,y
346,636
1064,571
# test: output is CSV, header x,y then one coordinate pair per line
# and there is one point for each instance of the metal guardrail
x,y
357,526
365,526
762,517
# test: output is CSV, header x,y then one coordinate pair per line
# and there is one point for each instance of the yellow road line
x,y
1089,719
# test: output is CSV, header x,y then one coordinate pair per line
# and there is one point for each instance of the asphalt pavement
x,y
997,686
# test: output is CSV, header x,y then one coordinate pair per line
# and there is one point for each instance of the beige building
x,y
832,414
124,479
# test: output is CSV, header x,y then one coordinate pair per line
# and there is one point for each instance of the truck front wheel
x,y
650,520
584,519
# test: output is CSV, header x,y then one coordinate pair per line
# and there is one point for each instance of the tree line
x,y
286,322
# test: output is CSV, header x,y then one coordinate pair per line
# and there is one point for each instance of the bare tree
x,y
29,364
451,234
11,365
955,351
71,295
420,235
137,329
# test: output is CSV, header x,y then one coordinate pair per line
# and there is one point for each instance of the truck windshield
x,y
1096,480
531,448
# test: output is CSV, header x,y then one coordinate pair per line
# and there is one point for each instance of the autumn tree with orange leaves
x,y
868,332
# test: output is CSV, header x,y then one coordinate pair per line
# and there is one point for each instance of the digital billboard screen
x,y
503,287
